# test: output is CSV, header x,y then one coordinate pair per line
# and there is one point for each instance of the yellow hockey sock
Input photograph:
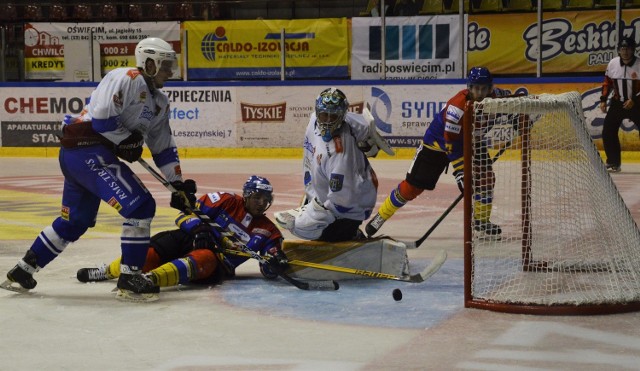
x,y
166,275
391,204
169,274
113,270
481,211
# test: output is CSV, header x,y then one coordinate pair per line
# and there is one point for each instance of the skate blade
x,y
13,286
132,297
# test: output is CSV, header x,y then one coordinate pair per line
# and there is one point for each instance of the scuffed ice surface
x,y
365,302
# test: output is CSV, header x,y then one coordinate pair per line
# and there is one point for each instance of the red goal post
x,y
569,244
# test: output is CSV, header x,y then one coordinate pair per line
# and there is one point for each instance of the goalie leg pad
x,y
286,219
312,221
306,222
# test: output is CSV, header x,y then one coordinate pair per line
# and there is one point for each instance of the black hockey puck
x,y
397,295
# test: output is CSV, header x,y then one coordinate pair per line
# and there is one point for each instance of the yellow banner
x,y
578,41
252,49
44,65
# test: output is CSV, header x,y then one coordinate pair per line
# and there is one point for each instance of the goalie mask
x,y
160,52
331,109
479,82
258,195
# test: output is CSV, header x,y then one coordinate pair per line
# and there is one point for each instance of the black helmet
x,y
627,42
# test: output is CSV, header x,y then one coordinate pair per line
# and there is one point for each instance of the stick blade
x,y
323,285
431,269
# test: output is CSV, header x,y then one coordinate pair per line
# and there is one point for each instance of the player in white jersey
x,y
126,110
340,184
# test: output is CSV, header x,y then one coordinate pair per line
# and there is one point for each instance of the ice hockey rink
x,y
253,324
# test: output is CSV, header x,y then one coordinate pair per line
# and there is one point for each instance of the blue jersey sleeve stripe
x,y
105,125
167,156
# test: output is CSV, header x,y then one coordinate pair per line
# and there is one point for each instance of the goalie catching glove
x,y
185,197
375,142
306,222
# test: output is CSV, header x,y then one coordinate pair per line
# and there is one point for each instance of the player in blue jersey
x,y
441,145
126,110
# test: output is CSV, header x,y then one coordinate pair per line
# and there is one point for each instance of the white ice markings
x,y
534,341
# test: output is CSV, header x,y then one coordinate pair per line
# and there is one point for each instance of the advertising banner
x,y
92,49
583,41
210,116
416,48
250,50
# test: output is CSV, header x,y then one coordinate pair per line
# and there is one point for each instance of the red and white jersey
x,y
622,79
228,211
337,172
123,103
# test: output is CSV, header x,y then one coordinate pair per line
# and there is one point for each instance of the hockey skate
x,y
20,278
94,274
374,225
136,288
488,228
613,168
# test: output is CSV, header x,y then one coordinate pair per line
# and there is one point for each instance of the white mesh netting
x,y
567,236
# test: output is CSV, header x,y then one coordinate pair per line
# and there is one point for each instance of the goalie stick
x,y
429,271
378,139
310,285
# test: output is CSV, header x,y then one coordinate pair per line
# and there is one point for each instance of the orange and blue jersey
x,y
445,132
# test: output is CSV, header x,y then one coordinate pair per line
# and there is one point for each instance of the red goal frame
x,y
528,264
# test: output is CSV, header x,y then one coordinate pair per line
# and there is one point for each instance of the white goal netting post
x,y
569,244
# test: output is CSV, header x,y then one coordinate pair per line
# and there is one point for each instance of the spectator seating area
x,y
137,11
496,6
106,11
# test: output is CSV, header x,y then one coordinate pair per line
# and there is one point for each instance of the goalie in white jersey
x,y
340,184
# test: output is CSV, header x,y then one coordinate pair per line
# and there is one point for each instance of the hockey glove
x,y
369,148
229,244
277,259
130,149
459,175
202,237
185,198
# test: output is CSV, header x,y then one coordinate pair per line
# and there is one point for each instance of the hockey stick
x,y
418,242
415,244
311,285
415,278
379,140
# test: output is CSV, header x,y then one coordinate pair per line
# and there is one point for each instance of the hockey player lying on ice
x,y
340,184
187,254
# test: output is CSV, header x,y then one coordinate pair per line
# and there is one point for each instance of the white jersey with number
x,y
337,172
122,103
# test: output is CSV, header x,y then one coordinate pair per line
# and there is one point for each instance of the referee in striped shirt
x,y
623,79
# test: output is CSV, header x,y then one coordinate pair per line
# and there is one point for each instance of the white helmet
x,y
156,49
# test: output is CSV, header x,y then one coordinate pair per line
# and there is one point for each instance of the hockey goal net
x,y
569,244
